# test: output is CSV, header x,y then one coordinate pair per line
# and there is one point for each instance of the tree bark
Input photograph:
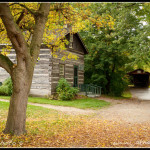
x,y
22,79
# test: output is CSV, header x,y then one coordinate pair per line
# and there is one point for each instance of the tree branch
x,y
40,20
21,17
6,63
14,33
29,10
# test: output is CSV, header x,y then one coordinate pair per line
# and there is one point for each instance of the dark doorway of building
x,y
75,76
140,78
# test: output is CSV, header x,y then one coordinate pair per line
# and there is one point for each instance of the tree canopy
x,y
115,51
75,15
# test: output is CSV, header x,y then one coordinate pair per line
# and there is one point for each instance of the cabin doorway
x,y
75,76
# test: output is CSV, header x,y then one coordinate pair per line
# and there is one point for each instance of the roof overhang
x,y
138,71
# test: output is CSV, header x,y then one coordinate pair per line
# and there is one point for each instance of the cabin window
x,y
71,41
61,69
75,76
81,67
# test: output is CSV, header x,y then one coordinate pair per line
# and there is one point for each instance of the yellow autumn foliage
x,y
77,15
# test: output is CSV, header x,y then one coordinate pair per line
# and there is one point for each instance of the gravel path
x,y
141,93
130,111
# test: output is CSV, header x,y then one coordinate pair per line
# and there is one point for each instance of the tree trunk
x,y
21,73
107,87
16,119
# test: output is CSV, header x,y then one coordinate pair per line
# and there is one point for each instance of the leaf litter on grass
x,y
80,132
49,128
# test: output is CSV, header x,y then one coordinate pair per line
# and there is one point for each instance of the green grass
x,y
85,103
127,94
32,111
5,97
36,116
4,105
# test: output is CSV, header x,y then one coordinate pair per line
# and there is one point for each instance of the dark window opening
x,y
75,76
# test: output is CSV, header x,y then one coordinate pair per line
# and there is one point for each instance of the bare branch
x,y
12,4
20,17
6,63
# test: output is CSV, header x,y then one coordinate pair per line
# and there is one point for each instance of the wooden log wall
x,y
42,73
41,82
68,70
47,70
4,74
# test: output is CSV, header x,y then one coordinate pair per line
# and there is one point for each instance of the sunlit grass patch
x,y
5,97
127,94
84,103
3,111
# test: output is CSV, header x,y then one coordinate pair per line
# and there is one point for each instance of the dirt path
x,y
141,93
130,111
65,109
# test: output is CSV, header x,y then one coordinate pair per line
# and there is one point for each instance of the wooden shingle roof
x,y
138,71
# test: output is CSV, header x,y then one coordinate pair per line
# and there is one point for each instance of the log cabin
x,y
49,70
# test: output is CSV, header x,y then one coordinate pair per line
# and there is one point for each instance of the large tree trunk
x,y
21,73
16,119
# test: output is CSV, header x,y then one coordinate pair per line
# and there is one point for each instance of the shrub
x,y
65,91
6,88
118,85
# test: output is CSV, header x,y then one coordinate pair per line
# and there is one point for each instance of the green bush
x,y
118,85
6,88
65,91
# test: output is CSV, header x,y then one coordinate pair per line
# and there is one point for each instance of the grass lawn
x,y
85,103
50,128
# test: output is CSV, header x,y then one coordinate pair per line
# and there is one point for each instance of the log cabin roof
x,y
81,42
85,49
67,31
138,71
